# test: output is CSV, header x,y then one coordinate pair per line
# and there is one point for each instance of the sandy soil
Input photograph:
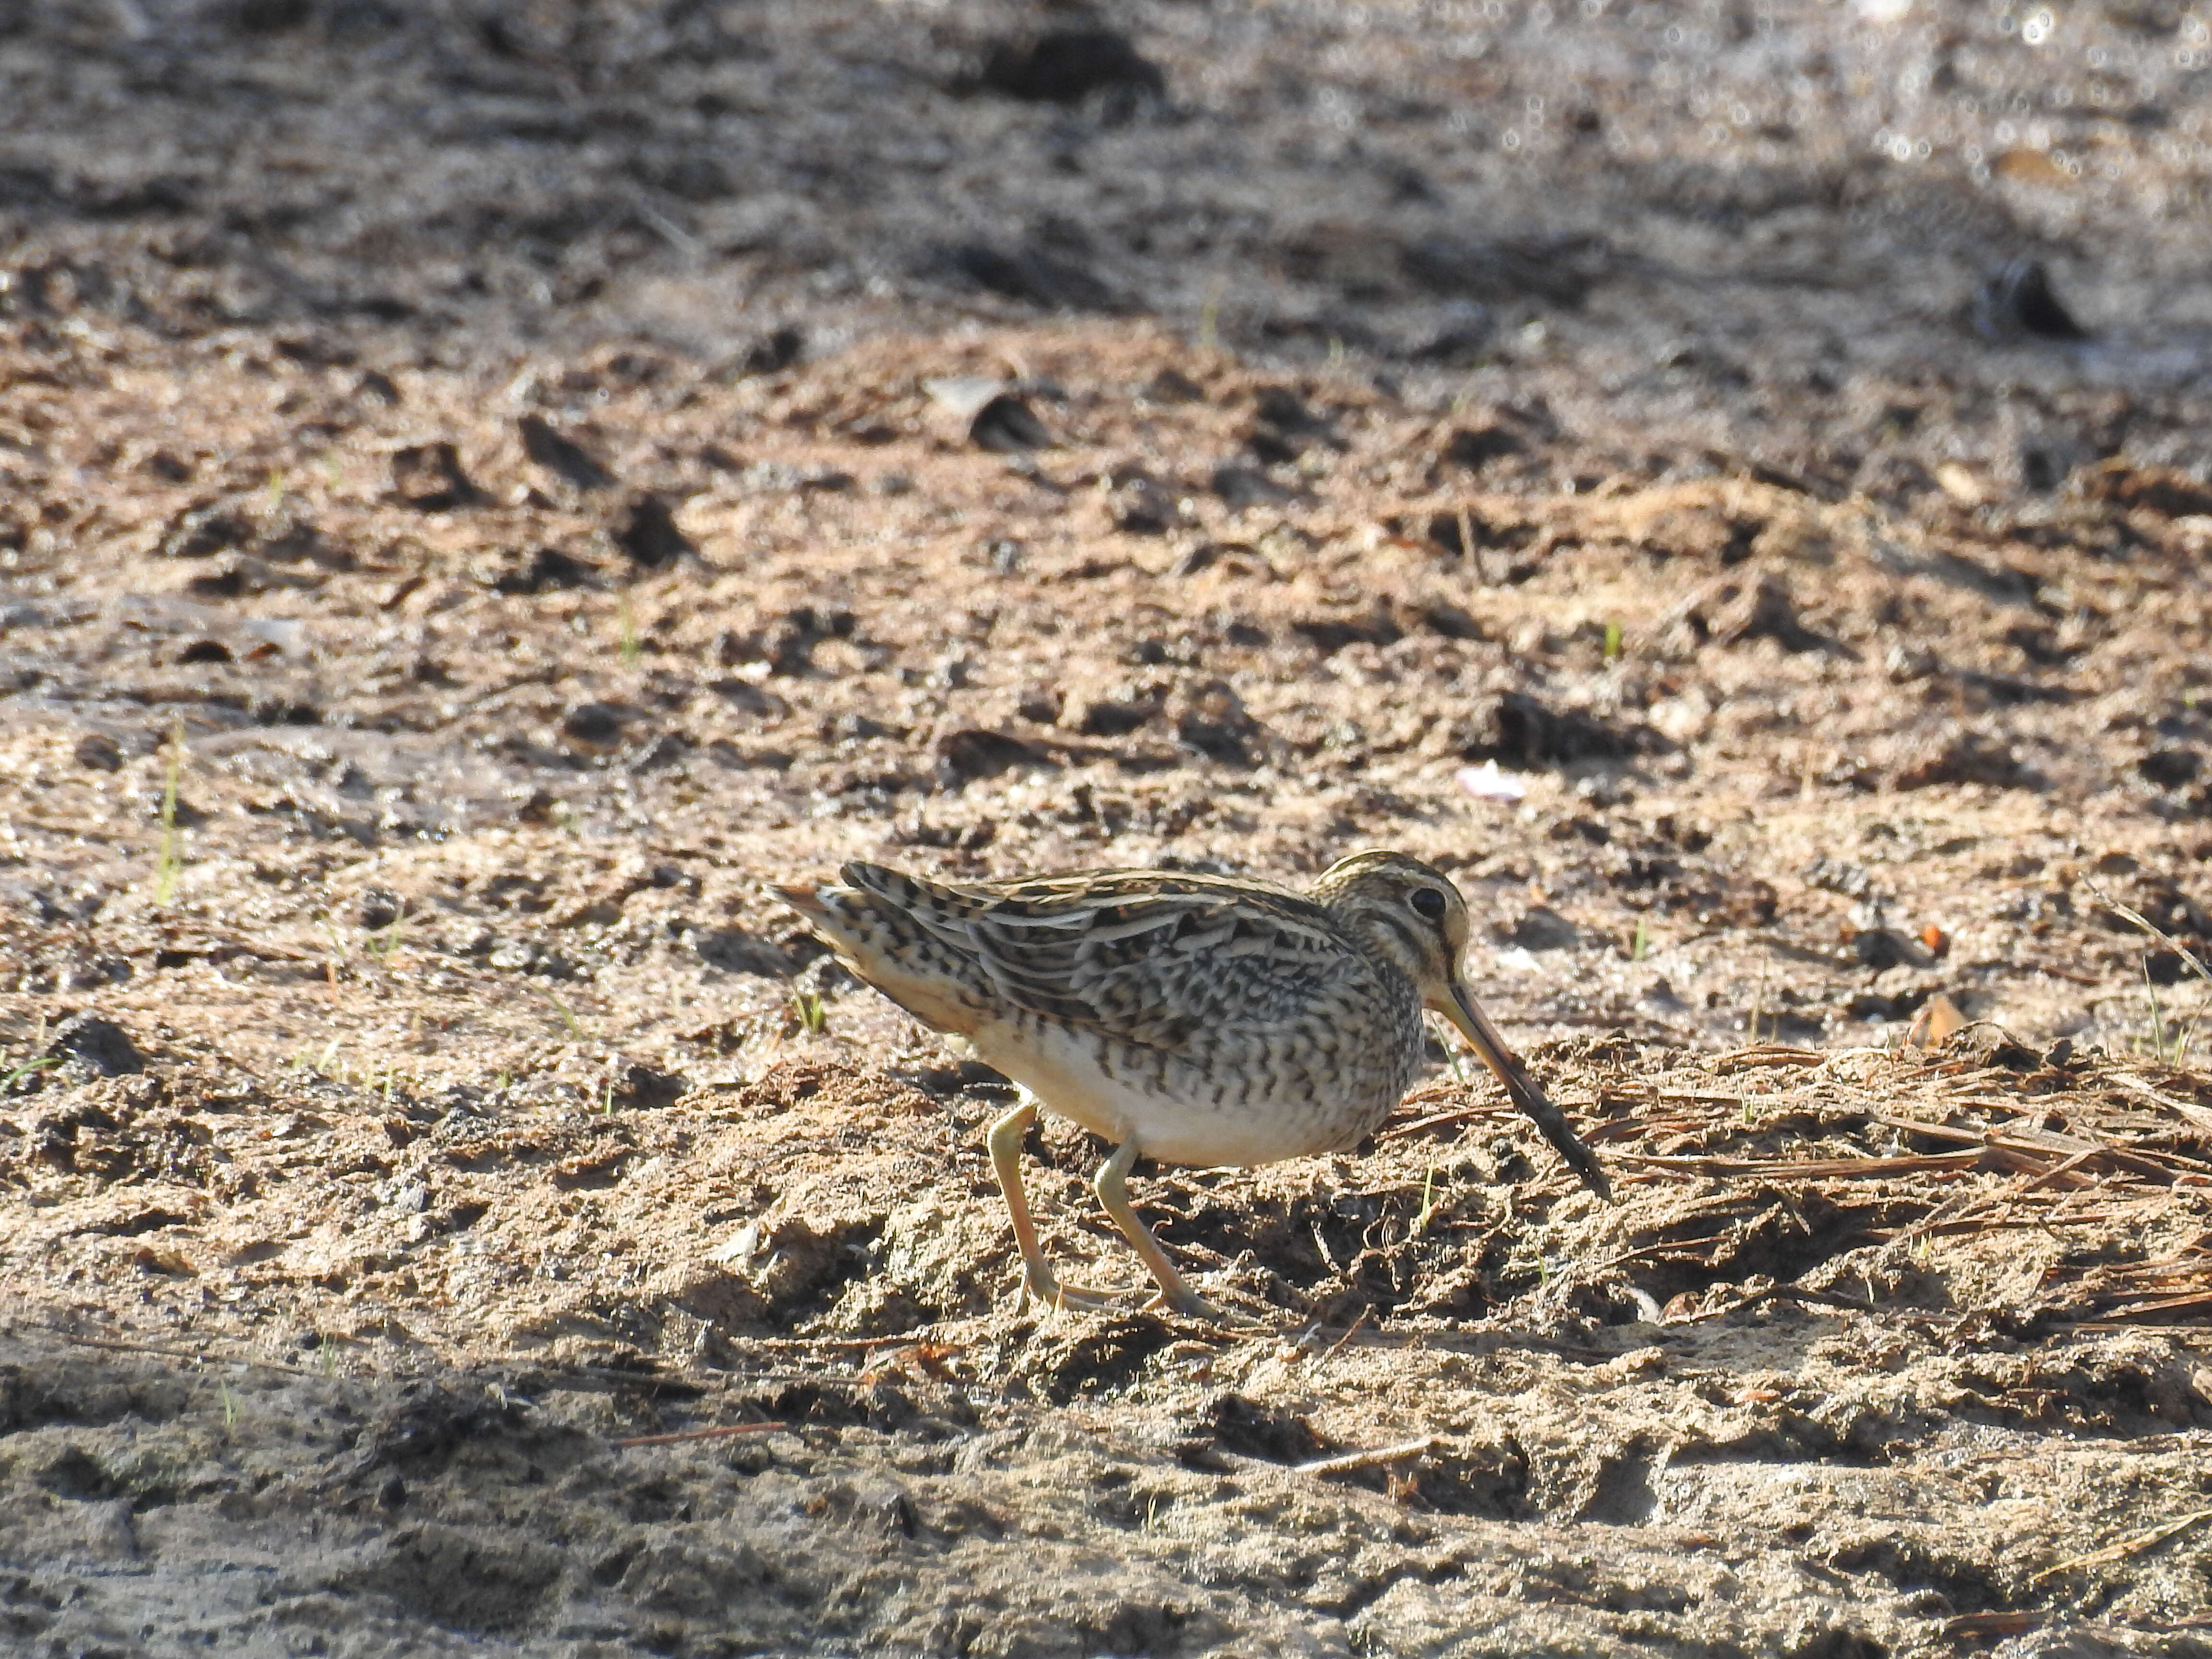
x,y
487,487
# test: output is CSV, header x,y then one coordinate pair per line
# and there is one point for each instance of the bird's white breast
x,y
1171,1114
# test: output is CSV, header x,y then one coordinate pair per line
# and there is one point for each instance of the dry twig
x,y
1350,1331
1347,1462
2136,1544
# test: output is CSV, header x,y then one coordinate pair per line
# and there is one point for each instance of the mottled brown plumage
x,y
1196,1019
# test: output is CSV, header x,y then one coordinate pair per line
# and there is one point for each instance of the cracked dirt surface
x,y
487,487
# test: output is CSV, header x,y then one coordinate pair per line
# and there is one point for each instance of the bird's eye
x,y
1428,902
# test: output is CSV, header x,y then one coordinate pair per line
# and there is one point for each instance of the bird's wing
x,y
1139,956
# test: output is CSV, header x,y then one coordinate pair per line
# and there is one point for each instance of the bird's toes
x,y
1055,1292
1191,1305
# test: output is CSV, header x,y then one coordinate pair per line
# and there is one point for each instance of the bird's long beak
x,y
1474,1025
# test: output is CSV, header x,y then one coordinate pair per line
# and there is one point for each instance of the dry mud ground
x,y
487,487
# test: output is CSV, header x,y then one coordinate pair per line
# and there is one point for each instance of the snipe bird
x,y
1195,1019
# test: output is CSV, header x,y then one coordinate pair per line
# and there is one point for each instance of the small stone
x,y
96,751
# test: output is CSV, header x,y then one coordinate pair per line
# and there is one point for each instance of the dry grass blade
x,y
1765,1053
2196,1114
1815,1168
1619,1128
2127,913
2018,1161
2183,1036
2049,1177
192,1356
1981,1626
2022,1140
1802,1293
2136,1292
723,1432
2136,1544
904,1340
1977,1213
1965,1226
1672,1249
1440,1120
2154,1311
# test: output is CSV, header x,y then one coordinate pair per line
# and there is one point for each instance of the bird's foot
x,y
1053,1291
1191,1305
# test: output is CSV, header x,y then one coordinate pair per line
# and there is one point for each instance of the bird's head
x,y
1410,913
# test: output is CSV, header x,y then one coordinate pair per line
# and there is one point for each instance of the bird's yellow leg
x,y
1038,1279
1111,1184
